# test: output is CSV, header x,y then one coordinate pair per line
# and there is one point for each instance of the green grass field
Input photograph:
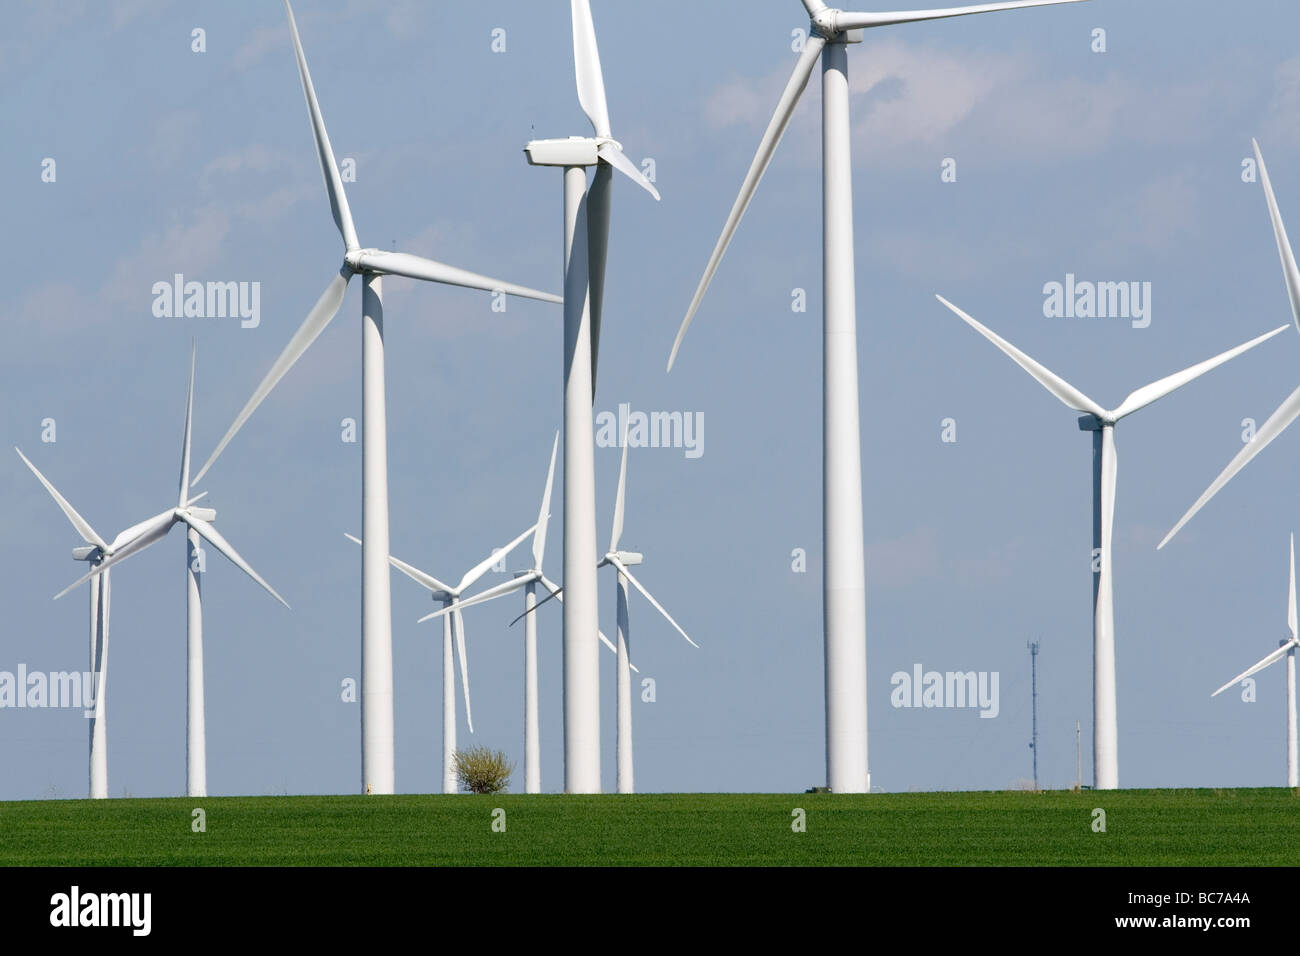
x,y
1143,827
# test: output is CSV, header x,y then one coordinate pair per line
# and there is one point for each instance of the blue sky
x,y
1115,166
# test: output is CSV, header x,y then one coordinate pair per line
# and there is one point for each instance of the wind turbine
x,y
528,580
371,265
138,537
622,560
1287,650
586,241
453,621
1101,422
1289,409
844,581
94,552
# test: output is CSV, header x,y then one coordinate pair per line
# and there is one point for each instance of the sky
x,y
1119,166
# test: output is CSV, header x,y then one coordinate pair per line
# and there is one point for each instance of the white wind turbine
x,y
621,560
1101,422
586,241
1289,410
844,581
133,540
372,265
453,621
1287,650
528,580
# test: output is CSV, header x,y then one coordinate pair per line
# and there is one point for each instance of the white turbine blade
x,y
185,442
83,527
214,537
650,597
484,596
418,267
149,532
766,147
326,307
476,572
857,21
458,625
586,66
615,156
1058,386
598,204
1289,270
412,572
544,513
1147,394
1275,425
1290,603
1277,655
324,152
620,500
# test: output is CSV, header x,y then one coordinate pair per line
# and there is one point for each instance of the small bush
x,y
481,770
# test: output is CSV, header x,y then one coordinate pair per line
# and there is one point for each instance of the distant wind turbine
x,y
844,583
372,265
1101,422
1287,650
1289,409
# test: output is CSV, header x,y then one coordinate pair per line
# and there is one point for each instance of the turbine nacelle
x,y
570,151
824,25
88,552
625,557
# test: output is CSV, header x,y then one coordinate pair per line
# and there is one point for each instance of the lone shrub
x,y
481,770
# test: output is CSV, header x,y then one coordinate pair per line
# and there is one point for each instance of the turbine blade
x,y
586,66
324,152
412,572
458,625
476,572
857,21
1156,390
598,203
1276,424
150,532
1289,270
766,147
557,592
326,307
650,597
1277,655
418,267
88,534
215,538
614,156
185,442
544,513
484,596
1290,603
1058,386
620,499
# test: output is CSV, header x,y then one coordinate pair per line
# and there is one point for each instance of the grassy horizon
x,y
1203,827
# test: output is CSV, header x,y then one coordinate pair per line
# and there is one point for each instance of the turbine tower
x,y
1289,410
1101,422
371,265
586,240
1287,650
844,575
